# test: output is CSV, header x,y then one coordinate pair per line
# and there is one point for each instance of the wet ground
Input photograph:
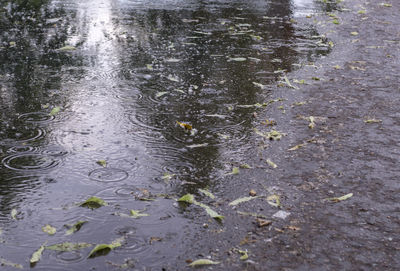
x,y
152,101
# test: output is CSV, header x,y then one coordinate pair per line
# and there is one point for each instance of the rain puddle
x,y
135,103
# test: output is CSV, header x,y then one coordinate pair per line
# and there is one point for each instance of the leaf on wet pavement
x,y
207,193
342,198
37,255
93,203
201,262
49,229
68,246
55,111
241,200
75,227
102,163
188,198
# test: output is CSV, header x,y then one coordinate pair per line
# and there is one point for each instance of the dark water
x,y
137,68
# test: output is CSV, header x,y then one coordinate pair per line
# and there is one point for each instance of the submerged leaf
x,y
338,199
36,255
188,198
55,111
68,246
207,193
240,200
76,227
93,203
201,262
49,229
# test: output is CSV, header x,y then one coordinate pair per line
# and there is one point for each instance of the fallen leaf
x,y
149,67
312,122
188,198
4,262
104,249
137,213
14,213
271,164
386,5
373,121
247,166
235,171
168,176
67,48
37,255
68,246
207,193
274,200
244,254
241,200
161,93
93,203
354,33
338,199
185,125
75,227
209,211
102,163
55,111
297,147
49,229
155,239
252,193
201,262
237,59
263,222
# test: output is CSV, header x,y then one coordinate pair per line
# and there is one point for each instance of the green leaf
x,y
354,33
271,164
247,166
168,176
76,227
372,121
235,171
335,21
288,82
241,200
102,163
137,213
93,203
207,193
209,211
68,246
4,262
55,111
338,199
14,213
274,200
188,198
386,5
161,93
49,229
104,249
149,67
274,135
36,255
244,254
66,48
201,262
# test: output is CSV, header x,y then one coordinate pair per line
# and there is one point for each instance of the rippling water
x,y
132,71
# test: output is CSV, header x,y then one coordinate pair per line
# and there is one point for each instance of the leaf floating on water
x,y
386,5
335,21
149,67
172,60
210,211
185,125
4,262
373,121
68,246
67,48
201,262
354,33
274,200
247,166
301,82
161,93
104,249
49,229
237,59
259,85
288,82
14,213
37,255
76,227
173,78
241,200
197,145
207,193
235,171
345,197
244,254
93,203
137,213
55,111
167,176
102,163
271,164
312,122
274,135
188,198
